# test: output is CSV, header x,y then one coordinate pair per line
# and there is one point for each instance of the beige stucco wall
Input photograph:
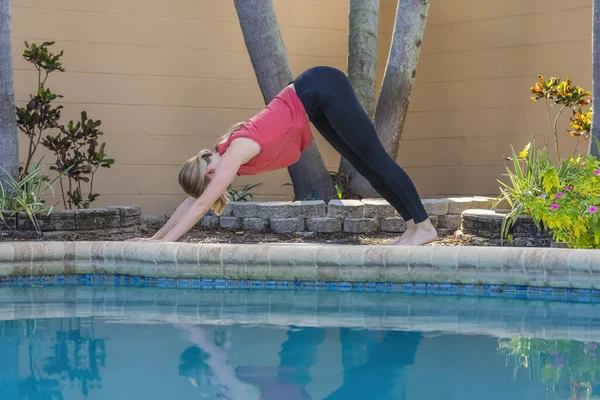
x,y
167,78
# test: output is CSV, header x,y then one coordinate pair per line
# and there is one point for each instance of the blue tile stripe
x,y
506,291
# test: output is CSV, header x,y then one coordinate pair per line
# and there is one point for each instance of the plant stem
x,y
91,193
62,190
556,130
29,156
70,193
553,127
45,78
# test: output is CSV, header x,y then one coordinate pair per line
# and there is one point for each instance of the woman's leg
x,y
330,94
329,134
380,185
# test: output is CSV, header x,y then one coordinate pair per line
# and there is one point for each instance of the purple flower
x,y
593,346
559,362
554,206
559,195
592,210
554,354
584,165
592,354
569,188
597,172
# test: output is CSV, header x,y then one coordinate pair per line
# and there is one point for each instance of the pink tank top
x,y
281,129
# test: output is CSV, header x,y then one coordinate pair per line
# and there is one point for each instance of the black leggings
x,y
332,107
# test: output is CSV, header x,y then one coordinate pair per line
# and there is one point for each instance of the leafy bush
x,y
561,196
563,199
558,363
26,194
75,146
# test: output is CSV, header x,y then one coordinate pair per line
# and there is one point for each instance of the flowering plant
x,y
563,199
559,363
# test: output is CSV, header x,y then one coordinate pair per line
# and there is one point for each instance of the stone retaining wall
x,y
350,216
484,227
66,224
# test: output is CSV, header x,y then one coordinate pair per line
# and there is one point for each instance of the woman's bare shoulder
x,y
245,147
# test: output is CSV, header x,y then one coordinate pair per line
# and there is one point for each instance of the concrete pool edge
x,y
534,267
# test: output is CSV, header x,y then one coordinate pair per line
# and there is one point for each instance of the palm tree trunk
x,y
9,145
363,25
401,69
268,55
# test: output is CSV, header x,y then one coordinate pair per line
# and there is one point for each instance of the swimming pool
x,y
127,341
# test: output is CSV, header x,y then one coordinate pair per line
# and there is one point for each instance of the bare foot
x,y
410,229
424,233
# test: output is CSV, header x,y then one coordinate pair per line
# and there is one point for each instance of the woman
x,y
275,138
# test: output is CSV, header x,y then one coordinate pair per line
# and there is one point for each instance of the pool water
x,y
76,342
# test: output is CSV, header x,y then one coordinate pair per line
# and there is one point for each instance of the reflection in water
x,y
387,354
75,357
367,356
569,368
178,344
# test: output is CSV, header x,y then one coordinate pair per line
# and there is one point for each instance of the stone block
x,y
345,209
360,225
10,222
287,225
436,206
228,210
230,222
56,221
460,204
392,224
99,218
324,225
131,220
434,220
153,220
255,224
378,208
130,215
450,221
274,210
127,210
445,232
209,221
245,209
308,209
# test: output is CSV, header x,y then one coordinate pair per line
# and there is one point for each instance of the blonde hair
x,y
192,178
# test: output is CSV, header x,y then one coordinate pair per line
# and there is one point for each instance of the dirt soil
x,y
252,237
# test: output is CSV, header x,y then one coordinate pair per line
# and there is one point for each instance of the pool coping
x,y
466,265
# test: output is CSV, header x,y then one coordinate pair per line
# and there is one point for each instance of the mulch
x,y
253,237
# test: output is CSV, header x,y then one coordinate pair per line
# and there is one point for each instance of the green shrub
x,y
76,146
560,195
566,362
563,199
26,194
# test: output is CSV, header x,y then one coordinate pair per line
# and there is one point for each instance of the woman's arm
x,y
218,361
225,174
179,212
